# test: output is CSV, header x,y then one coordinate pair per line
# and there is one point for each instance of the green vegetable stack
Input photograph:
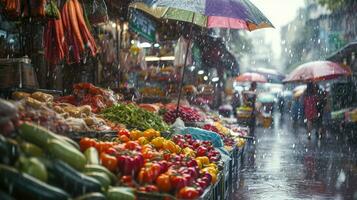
x,y
134,117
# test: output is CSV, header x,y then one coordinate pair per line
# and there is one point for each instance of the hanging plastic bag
x,y
96,11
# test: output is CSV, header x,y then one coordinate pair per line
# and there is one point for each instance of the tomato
x,y
124,138
156,168
188,193
108,161
123,132
111,151
178,182
201,151
131,145
85,143
103,146
145,176
148,154
163,183
151,188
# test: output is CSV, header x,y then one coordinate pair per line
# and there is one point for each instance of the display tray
x,y
101,135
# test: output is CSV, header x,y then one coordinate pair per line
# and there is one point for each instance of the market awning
x,y
346,55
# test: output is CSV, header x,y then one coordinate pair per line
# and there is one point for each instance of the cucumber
x,y
70,141
92,156
92,196
99,168
69,179
33,167
31,150
120,193
101,177
38,135
23,186
69,155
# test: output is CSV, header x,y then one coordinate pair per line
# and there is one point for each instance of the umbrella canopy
x,y
251,77
317,71
234,14
266,98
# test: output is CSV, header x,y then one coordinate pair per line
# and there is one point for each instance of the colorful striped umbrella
x,y
233,14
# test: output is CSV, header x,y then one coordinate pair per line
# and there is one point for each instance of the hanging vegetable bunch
x,y
68,36
35,9
11,8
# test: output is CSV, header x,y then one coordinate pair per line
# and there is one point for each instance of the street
x,y
282,165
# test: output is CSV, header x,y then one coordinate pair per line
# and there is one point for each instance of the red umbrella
x,y
251,77
317,71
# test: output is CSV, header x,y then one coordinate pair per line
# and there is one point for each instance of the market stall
x,y
94,141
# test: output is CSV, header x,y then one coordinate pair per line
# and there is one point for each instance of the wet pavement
x,y
284,165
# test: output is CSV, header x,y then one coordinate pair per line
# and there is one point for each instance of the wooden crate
x,y
17,73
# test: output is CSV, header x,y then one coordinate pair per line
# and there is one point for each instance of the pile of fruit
x,y
42,165
228,141
187,114
183,167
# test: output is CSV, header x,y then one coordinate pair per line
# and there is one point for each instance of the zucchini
x,y
120,193
38,135
92,156
100,168
69,179
101,177
33,167
69,155
92,196
23,186
31,150
70,141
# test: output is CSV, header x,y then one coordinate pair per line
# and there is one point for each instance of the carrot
x,y
84,29
69,35
74,24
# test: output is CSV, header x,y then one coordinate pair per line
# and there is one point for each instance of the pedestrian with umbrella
x,y
314,99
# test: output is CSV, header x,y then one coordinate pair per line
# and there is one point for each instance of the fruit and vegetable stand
x,y
92,145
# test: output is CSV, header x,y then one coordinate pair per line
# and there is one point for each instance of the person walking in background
x,y
249,99
235,103
310,107
297,110
321,105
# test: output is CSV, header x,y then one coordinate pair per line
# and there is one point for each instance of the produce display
x,y
133,116
88,94
182,167
144,158
40,164
39,107
187,114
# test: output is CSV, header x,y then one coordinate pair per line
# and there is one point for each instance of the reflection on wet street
x,y
281,164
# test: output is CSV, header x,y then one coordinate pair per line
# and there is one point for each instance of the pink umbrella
x,y
251,77
317,71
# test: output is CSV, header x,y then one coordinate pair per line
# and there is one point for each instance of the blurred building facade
x,y
317,32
